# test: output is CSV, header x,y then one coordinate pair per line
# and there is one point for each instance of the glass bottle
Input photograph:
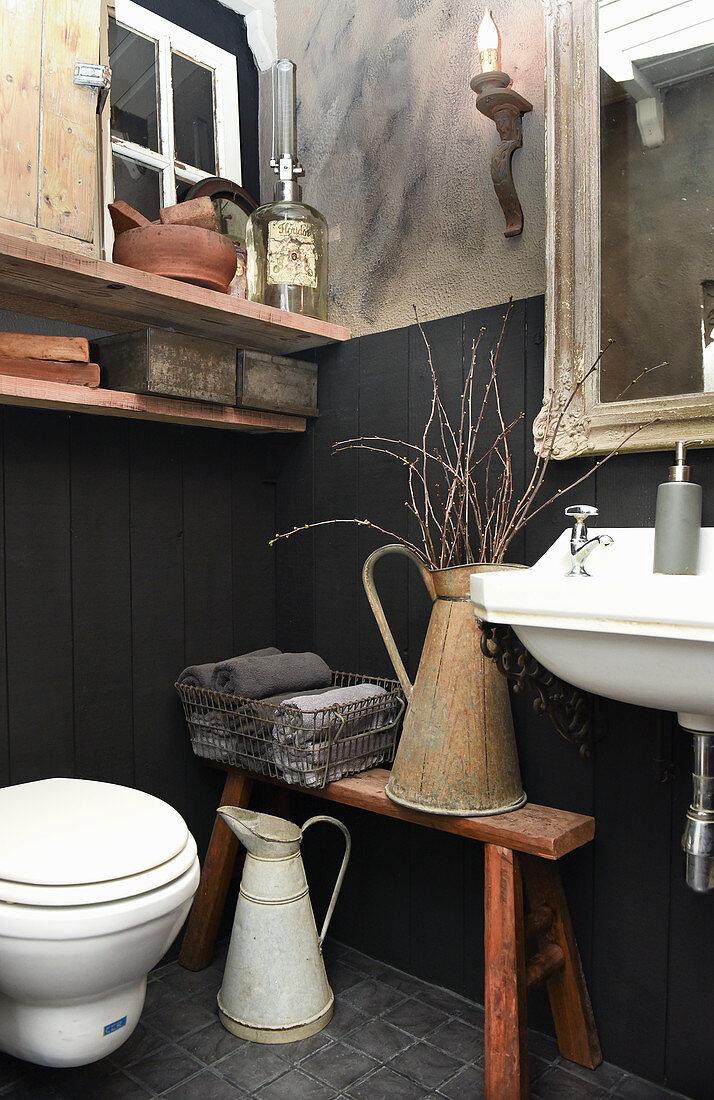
x,y
286,238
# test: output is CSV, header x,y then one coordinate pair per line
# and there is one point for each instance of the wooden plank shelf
x,y
137,406
38,279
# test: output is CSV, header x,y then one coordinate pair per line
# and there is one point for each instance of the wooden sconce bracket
x,y
505,107
569,709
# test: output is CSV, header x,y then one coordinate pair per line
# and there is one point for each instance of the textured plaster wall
x,y
397,157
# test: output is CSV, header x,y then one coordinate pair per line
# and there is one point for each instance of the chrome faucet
x,y
581,546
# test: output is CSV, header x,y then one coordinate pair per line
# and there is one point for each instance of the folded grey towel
x,y
311,744
202,676
256,676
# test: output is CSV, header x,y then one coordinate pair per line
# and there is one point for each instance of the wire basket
x,y
303,748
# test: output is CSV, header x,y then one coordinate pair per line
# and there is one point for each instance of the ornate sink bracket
x,y
569,709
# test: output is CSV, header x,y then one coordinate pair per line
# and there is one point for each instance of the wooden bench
x,y
521,851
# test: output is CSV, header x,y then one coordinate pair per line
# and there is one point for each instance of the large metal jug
x,y
457,753
275,988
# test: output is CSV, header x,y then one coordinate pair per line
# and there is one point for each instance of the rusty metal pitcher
x,y
457,753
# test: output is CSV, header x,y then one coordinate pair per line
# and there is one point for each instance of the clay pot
x,y
183,252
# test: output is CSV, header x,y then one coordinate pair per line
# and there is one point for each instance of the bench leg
x,y
202,928
505,984
569,1001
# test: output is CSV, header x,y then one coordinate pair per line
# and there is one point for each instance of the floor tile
x,y
341,976
467,1084
159,995
296,1085
380,1039
181,1019
416,1017
385,1084
398,980
372,997
361,962
212,1043
296,1052
556,1084
339,1066
205,1086
189,982
443,999
345,1019
605,1075
143,1040
426,1065
458,1038
252,1066
636,1088
475,1015
12,1069
164,1068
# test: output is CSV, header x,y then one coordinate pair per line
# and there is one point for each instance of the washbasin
x,y
629,634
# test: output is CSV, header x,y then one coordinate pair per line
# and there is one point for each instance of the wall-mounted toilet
x,y
95,883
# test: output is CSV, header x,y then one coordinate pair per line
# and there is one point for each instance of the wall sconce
x,y
506,107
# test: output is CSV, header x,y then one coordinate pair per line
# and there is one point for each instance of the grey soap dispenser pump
x,y
678,519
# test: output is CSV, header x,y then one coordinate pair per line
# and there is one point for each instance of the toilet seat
x,y
75,842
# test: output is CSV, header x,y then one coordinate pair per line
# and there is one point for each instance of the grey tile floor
x,y
392,1038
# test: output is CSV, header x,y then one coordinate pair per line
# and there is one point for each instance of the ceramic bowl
x,y
182,252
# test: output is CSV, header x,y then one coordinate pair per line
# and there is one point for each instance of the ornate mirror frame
x,y
573,260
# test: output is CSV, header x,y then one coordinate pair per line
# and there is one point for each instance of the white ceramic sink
x,y
623,632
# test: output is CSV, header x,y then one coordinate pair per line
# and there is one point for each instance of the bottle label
x,y
292,255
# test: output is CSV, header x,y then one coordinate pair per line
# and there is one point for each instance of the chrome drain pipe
x,y
698,838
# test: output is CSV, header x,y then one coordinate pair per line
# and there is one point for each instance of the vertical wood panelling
x,y
382,492
441,890
38,594
68,127
294,558
21,52
208,595
101,600
254,562
337,598
157,611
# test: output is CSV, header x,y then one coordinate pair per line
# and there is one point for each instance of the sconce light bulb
x,y
488,41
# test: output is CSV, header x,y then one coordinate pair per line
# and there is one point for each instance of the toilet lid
x,y
72,832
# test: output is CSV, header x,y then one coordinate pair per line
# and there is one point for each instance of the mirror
x,y
629,252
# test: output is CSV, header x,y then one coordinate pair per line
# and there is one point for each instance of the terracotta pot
x,y
183,252
457,753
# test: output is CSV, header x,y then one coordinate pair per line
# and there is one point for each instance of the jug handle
x,y
343,868
376,605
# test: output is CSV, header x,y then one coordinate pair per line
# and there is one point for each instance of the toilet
x,y
95,883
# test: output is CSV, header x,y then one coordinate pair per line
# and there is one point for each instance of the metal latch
x,y
94,76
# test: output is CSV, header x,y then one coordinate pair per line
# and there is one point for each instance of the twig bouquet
x,y
460,483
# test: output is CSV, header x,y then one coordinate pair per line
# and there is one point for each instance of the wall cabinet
x,y
48,125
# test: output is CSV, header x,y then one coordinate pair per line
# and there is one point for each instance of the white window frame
x,y
172,39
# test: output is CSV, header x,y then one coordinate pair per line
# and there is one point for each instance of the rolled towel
x,y
256,676
198,676
202,676
311,745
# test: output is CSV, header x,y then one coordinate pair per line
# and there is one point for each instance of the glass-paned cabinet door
x,y
174,111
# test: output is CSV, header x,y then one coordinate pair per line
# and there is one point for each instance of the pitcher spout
x,y
262,835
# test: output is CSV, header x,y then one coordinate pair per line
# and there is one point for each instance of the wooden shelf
x,y
136,406
37,279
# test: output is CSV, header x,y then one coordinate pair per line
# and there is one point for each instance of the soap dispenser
x,y
678,519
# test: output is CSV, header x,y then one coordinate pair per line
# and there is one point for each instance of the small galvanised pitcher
x,y
275,988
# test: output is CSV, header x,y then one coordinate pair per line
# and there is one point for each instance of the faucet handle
x,y
581,512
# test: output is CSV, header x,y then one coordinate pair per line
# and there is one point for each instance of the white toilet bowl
x,y
95,883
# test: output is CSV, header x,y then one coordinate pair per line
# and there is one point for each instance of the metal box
x,y
169,364
275,383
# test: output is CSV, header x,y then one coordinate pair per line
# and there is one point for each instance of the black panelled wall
x,y
130,550
413,897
